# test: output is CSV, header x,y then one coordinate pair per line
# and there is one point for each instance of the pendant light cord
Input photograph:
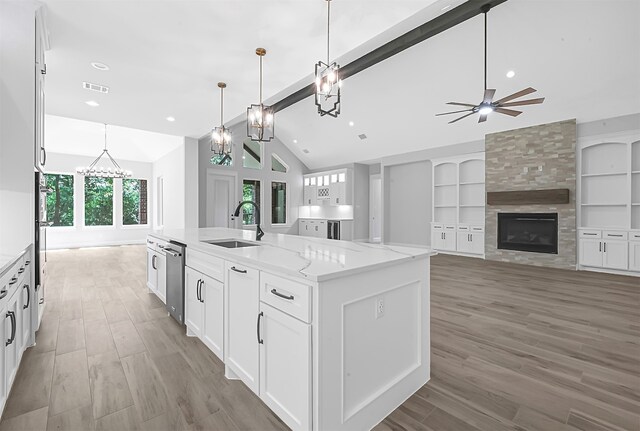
x,y
105,137
485,50
222,107
328,28
261,82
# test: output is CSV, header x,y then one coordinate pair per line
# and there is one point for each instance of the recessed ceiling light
x,y
351,123
99,66
171,119
295,141
446,7
511,74
92,103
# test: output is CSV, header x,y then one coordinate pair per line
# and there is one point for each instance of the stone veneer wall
x,y
512,162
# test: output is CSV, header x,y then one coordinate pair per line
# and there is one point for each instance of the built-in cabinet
x,y
40,152
157,267
316,228
328,188
458,205
16,317
609,203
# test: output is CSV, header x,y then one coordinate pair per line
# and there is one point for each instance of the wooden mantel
x,y
529,197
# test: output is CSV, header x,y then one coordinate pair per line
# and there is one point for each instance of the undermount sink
x,y
231,243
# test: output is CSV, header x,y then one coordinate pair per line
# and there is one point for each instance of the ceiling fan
x,y
488,105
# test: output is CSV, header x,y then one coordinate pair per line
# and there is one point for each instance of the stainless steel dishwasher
x,y
175,252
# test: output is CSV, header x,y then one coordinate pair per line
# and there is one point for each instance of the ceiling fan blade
x,y
511,112
520,93
524,102
488,95
483,118
461,104
453,112
460,118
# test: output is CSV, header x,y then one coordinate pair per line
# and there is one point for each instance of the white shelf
x,y
444,185
444,206
470,183
603,174
604,205
471,206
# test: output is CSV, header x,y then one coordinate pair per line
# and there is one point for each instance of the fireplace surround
x,y
533,232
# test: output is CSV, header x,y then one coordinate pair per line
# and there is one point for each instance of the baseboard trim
x,y
608,271
61,246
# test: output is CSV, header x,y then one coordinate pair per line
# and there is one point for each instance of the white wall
x,y
171,168
17,112
90,236
407,203
191,182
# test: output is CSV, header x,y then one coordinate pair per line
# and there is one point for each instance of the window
x,y
98,201
277,165
250,192
222,160
251,156
278,202
60,200
134,201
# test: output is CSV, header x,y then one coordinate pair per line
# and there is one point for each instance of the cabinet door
x,y
161,264
24,307
321,229
304,227
615,254
634,256
310,197
477,243
152,272
10,342
463,241
337,194
449,241
241,345
213,329
437,239
285,367
193,305
591,252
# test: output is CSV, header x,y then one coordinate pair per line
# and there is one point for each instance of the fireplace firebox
x,y
535,232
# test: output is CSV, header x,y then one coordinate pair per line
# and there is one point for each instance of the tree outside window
x,y
98,201
278,202
134,201
250,192
60,200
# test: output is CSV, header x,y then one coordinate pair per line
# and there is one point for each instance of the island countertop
x,y
314,259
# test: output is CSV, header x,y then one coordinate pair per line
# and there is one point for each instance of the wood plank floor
x,y
513,348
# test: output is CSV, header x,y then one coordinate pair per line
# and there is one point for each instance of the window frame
x,y
260,205
287,203
114,218
282,162
262,153
139,225
75,176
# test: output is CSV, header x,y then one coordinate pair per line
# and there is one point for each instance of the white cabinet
x,y
309,191
591,252
212,293
470,242
614,254
316,228
152,269
12,329
634,255
24,307
241,311
157,268
285,366
604,249
328,188
40,153
193,312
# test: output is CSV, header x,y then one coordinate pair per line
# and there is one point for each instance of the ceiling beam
x,y
419,34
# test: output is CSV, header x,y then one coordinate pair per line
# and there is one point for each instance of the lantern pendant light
x,y
220,136
260,117
328,81
93,170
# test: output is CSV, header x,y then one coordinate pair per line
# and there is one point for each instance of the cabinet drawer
x,y
463,228
634,236
449,227
436,226
152,244
613,234
206,264
590,234
286,295
477,228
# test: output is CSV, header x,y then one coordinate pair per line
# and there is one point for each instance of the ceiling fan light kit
x,y
260,117
327,80
488,105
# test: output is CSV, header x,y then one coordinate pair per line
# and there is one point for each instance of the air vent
x,y
305,151
95,87
362,137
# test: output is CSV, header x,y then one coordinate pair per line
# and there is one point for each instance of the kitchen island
x,y
331,335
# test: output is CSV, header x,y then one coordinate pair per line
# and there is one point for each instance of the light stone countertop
x,y
313,259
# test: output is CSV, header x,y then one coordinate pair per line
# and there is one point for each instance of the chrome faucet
x,y
236,213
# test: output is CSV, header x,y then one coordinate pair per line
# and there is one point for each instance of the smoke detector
x,y
95,87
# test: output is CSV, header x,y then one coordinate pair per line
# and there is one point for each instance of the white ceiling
x,y
86,138
583,56
166,57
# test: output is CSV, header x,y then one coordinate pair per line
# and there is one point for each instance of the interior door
x,y
221,200
375,213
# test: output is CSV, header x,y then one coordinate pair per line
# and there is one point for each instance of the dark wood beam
x,y
419,34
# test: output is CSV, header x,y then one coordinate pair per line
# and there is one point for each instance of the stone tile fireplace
x,y
534,158
534,232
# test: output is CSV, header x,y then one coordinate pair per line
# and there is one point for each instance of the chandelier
x,y
93,170
260,117
328,81
220,136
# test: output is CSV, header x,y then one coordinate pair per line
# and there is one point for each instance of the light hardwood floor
x,y
513,348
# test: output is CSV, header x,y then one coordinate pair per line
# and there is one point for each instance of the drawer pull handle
x,y
614,235
12,281
275,292
3,293
27,263
590,233
21,270
241,271
260,340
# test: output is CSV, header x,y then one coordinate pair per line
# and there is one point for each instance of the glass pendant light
x,y
260,117
328,81
221,136
93,170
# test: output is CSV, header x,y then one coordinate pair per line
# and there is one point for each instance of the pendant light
x,y
328,81
220,136
93,170
260,117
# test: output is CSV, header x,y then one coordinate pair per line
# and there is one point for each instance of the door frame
x,y
233,176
